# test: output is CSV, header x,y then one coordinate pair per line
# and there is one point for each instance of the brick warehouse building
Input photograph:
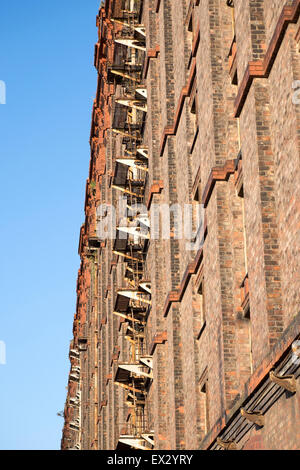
x,y
197,103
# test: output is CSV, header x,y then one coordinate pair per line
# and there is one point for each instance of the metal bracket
x,y
136,333
134,295
143,151
142,91
226,445
133,103
133,442
134,231
125,134
134,271
128,318
146,286
285,381
149,439
131,162
126,191
135,369
122,74
147,361
255,417
132,389
140,29
135,44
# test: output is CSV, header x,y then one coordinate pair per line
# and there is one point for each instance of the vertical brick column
x,y
285,146
170,248
220,273
155,257
263,253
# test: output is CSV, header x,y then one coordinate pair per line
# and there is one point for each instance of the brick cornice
x,y
192,268
115,356
156,188
158,338
217,174
108,378
113,264
151,54
262,68
103,404
185,93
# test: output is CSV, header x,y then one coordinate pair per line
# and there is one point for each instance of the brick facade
x,y
176,348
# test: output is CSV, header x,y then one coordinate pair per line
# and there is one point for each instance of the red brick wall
x,y
246,132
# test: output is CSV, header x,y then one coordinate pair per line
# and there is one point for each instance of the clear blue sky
x,y
46,60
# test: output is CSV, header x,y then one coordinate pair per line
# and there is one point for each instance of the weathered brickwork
x,y
174,348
